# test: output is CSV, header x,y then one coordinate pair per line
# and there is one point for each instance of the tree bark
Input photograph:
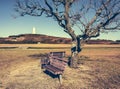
x,y
75,39
74,60
74,53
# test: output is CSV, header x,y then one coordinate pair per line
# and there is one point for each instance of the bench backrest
x,y
58,63
44,61
58,54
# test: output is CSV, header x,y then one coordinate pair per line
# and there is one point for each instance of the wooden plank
x,y
58,64
56,57
59,54
53,69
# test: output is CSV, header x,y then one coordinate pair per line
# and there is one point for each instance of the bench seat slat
x,y
58,54
58,64
53,69
58,58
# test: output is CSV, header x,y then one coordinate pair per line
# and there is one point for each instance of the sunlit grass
x,y
99,67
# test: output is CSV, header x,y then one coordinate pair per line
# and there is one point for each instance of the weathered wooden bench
x,y
45,60
57,64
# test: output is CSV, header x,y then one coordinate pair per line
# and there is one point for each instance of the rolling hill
x,y
40,38
34,38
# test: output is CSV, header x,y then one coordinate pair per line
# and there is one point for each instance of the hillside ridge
x,y
41,38
34,38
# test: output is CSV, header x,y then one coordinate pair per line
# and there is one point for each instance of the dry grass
x,y
35,45
99,69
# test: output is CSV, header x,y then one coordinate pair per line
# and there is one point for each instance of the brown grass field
x,y
99,67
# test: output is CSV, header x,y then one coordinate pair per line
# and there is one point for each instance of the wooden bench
x,y
56,64
46,59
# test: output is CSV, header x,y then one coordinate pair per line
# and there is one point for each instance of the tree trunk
x,y
74,60
74,53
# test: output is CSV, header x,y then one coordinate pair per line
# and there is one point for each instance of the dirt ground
x,y
99,68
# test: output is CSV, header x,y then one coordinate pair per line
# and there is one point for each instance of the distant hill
x,y
40,38
34,38
99,41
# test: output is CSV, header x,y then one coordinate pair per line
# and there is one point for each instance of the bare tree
x,y
90,16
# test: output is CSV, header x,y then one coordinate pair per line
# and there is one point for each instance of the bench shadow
x,y
50,74
38,55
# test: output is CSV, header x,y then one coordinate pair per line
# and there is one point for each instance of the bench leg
x,y
60,78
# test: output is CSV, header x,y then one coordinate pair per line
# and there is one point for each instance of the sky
x,y
24,25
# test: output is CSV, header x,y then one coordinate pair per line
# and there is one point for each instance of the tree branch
x,y
98,12
111,18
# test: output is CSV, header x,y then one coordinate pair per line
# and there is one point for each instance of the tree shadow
x,y
37,56
80,61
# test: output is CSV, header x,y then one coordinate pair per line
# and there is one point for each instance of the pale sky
x,y
24,25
